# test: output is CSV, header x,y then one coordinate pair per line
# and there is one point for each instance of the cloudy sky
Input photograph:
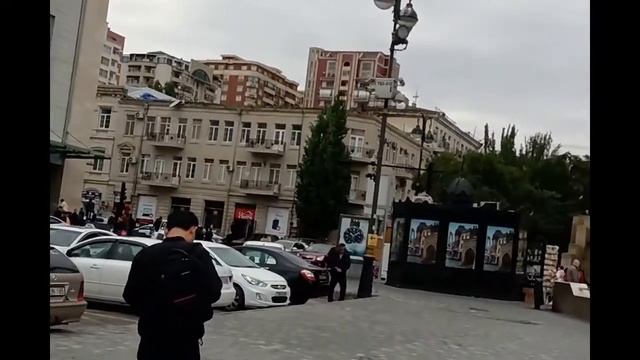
x,y
524,62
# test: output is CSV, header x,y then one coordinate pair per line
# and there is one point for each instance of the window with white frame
x,y
274,173
176,167
238,98
129,125
125,162
165,126
279,134
292,174
366,69
144,163
206,173
245,133
241,167
222,174
331,68
296,135
158,167
98,163
354,181
228,132
261,133
214,129
356,143
105,118
182,128
150,126
195,129
191,168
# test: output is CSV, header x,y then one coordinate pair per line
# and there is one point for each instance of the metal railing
x,y
166,179
260,185
360,152
266,144
169,139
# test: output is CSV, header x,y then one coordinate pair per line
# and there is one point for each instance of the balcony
x,y
260,188
361,154
160,180
269,90
266,147
357,197
171,141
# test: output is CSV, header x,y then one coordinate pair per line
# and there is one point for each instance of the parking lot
x,y
397,324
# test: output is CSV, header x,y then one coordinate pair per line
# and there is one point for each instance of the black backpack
x,y
179,282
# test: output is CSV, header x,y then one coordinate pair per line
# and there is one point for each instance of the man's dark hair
x,y
342,245
61,200
184,220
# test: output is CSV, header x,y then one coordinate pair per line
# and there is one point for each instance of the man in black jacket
x,y
171,324
338,262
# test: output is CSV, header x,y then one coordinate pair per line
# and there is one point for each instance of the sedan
x,y
66,289
304,279
62,237
106,261
255,286
315,254
292,245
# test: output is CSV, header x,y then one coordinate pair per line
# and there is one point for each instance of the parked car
x,y
264,243
55,220
292,245
106,261
305,280
315,254
143,231
255,286
66,289
62,237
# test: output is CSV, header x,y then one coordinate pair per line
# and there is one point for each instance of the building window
x,y
354,182
176,167
125,162
239,88
274,174
239,170
144,163
105,118
238,98
195,129
261,133
292,171
206,174
244,67
98,163
191,168
356,145
129,125
214,128
222,175
279,133
104,61
245,133
158,167
150,126
331,68
228,132
52,20
106,49
366,69
255,171
296,135
103,73
182,128
165,125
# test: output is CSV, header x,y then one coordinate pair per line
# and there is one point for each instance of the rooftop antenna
x,y
415,99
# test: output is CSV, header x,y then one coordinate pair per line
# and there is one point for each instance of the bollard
x,y
366,277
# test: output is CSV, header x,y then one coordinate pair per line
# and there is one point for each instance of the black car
x,y
305,280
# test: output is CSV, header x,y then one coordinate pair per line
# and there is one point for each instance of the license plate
x,y
281,293
322,277
57,291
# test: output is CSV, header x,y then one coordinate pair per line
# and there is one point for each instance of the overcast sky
x,y
481,61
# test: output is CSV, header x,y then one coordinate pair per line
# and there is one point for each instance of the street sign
x,y
384,88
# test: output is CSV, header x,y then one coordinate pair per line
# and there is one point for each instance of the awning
x,y
73,152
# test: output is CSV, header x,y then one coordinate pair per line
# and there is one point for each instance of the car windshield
x,y
286,243
62,237
233,257
58,263
321,248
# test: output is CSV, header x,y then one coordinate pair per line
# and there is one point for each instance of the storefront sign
x,y
277,221
243,213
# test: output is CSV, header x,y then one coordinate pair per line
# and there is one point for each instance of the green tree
x,y
324,180
157,86
170,88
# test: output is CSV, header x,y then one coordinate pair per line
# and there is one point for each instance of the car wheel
x,y
298,300
238,300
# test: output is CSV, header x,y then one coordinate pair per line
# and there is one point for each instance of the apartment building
x,y
251,83
77,28
344,74
192,80
227,164
111,59
447,136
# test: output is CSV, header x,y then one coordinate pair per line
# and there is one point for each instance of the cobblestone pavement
x,y
397,324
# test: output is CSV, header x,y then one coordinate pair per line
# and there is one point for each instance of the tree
x,y
157,86
170,88
325,177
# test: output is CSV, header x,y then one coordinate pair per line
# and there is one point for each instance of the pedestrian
x,y
560,274
573,272
81,214
208,235
171,287
338,262
58,213
64,205
157,224
125,224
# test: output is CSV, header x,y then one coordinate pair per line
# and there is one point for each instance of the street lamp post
x,y
403,21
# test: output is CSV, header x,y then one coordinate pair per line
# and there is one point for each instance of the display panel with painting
x,y
423,241
498,249
461,245
353,233
398,235
522,249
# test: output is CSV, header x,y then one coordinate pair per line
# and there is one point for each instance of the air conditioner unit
x,y
134,160
230,168
139,116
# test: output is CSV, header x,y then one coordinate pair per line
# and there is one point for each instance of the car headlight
x,y
320,258
254,281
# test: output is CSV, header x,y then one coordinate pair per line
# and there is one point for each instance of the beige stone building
x,y
224,163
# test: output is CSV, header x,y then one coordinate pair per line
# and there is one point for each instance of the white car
x,y
255,286
63,237
264,243
105,263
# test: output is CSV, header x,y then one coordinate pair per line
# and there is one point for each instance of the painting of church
x,y
423,241
498,252
461,245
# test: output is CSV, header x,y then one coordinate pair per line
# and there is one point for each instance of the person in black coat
x,y
338,262
168,330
